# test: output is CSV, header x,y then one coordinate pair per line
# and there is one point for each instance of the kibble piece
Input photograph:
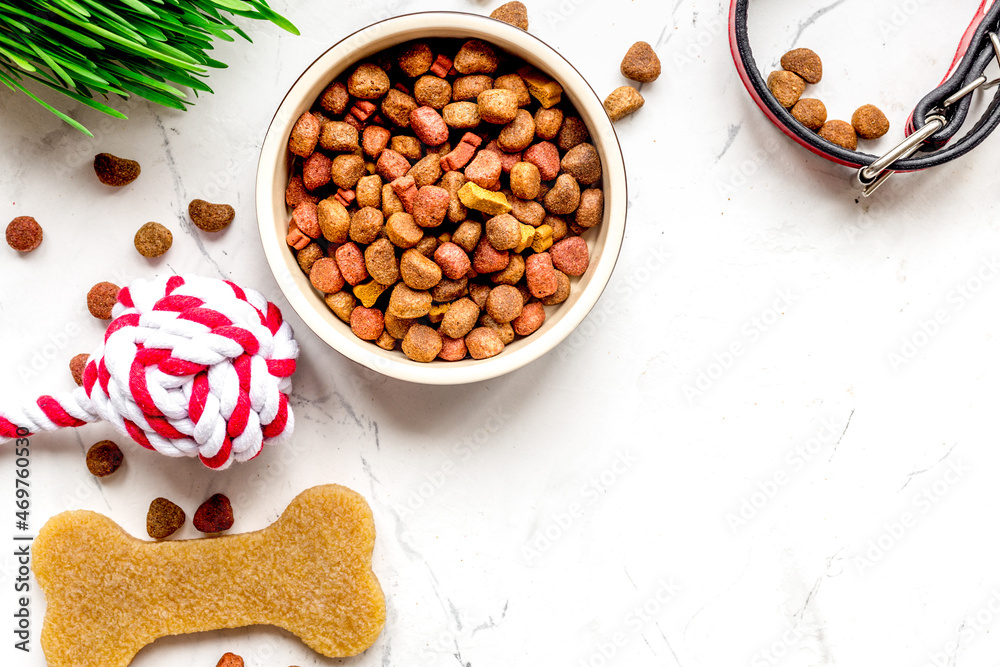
x,y
367,323
305,135
805,63
512,273
548,122
416,59
487,259
342,304
515,84
366,225
334,220
210,217
869,122
453,260
306,218
368,293
421,343
476,57
101,298
308,256
397,107
429,126
153,239
622,102
491,203
787,87
115,171
296,193
572,133
163,519
497,106
368,82
427,171
448,290
542,87
483,343
427,246
571,256
525,180
77,365
562,291
560,229
485,170
503,329
528,211
591,209
518,133
403,230
503,232
452,349
542,240
351,262
467,235
840,133
396,326
641,63
514,13
386,342
380,260
374,139
347,170
215,515
540,275
335,98
810,112
431,206
504,303
104,458
24,234
564,197
368,191
230,660
418,272
406,303
338,137
461,115
470,87
545,156
325,275
460,319
530,320
584,163
432,91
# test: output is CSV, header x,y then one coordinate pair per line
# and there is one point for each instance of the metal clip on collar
x,y
871,177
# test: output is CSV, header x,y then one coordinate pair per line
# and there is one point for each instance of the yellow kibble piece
x,y
543,238
527,237
481,199
543,88
437,312
369,292
370,167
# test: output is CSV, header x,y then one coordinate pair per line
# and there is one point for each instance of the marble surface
x,y
771,443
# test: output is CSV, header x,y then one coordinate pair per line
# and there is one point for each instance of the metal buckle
x,y
871,177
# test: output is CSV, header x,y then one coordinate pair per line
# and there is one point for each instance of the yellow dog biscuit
x,y
109,594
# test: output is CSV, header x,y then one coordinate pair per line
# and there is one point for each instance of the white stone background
x,y
868,543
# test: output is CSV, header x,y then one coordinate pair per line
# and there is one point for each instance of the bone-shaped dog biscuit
x,y
109,594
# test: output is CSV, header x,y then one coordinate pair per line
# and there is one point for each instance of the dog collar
x,y
932,126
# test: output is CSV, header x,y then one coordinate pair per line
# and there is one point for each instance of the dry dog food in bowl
x,y
444,197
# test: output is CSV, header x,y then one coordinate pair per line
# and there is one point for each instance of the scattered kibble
x,y
787,87
869,122
641,63
115,171
514,13
153,240
215,515
210,217
104,458
101,299
810,112
840,133
163,519
622,102
24,234
805,63
230,660
76,367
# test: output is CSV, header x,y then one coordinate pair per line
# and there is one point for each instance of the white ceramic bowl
x,y
275,162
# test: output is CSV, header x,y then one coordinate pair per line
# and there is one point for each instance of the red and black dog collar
x,y
935,121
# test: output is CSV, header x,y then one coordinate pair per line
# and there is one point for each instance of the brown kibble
x,y
153,239
504,303
515,84
840,133
115,171
366,225
408,304
334,220
347,170
76,367
335,98
869,122
461,115
215,515
432,91
427,171
572,133
471,87
397,107
786,87
512,274
622,102
528,211
210,217
421,343
396,326
407,147
417,271
230,660
24,234
591,209
460,319
503,232
467,235
309,256
641,63
386,342
163,519
415,59
104,458
101,299
368,191
562,290
564,197
514,13
504,330
403,231
497,106
305,135
448,290
476,57
339,137
805,63
380,260
548,122
810,112
583,162
483,343
518,133
525,180
368,82
342,304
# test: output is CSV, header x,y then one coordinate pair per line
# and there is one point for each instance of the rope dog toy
x,y
189,366
935,121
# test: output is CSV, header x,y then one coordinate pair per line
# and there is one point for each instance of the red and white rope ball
x,y
189,366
